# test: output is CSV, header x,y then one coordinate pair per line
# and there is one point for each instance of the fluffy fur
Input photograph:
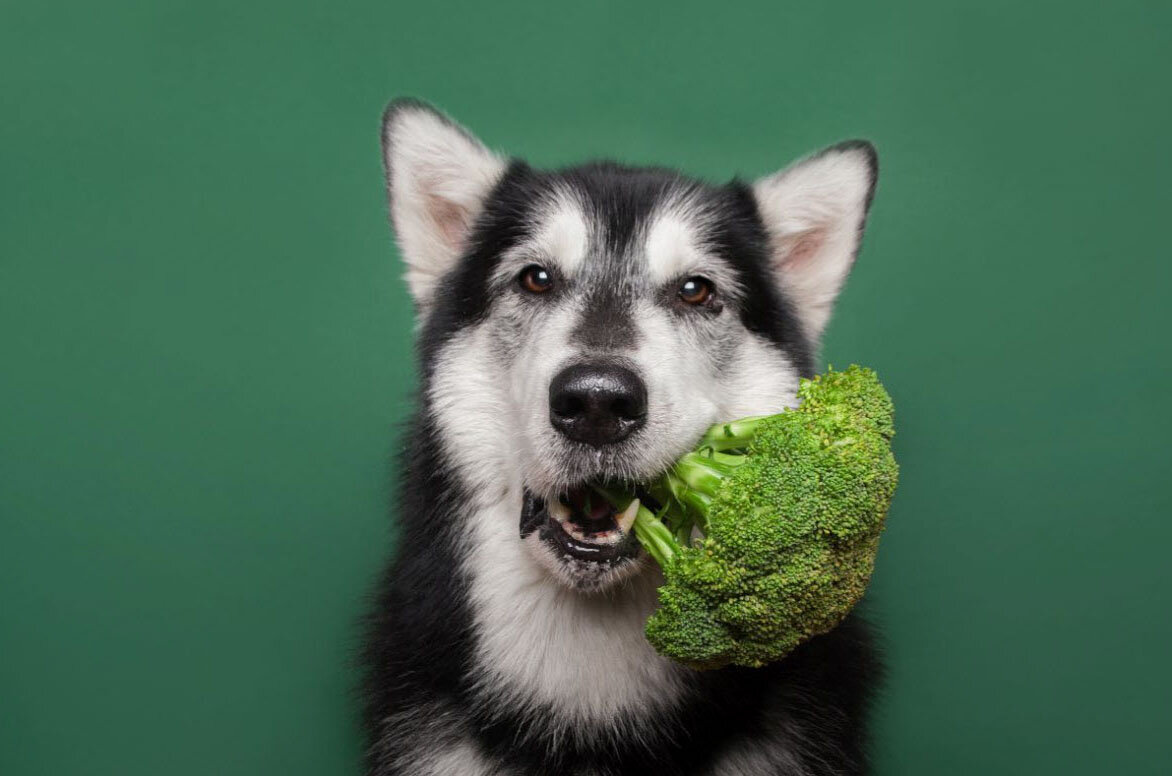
x,y
488,651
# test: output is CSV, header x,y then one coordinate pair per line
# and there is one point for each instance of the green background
x,y
205,347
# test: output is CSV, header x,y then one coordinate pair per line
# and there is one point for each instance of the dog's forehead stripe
x,y
562,234
576,236
672,245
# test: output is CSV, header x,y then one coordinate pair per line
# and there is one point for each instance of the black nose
x,y
598,404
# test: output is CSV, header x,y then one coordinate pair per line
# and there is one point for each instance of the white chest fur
x,y
549,649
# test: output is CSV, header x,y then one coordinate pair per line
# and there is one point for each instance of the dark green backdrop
x,y
205,347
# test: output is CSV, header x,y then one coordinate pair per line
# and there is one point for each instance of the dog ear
x,y
814,211
438,176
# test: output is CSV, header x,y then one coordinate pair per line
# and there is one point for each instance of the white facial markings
x,y
542,354
564,235
671,247
683,387
674,247
476,419
560,239
759,380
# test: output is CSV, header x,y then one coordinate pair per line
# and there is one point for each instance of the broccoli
x,y
788,509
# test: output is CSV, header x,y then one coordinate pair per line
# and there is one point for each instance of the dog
x,y
580,325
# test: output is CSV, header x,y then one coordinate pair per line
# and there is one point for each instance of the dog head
x,y
587,325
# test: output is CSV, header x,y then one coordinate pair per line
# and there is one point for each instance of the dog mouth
x,y
581,525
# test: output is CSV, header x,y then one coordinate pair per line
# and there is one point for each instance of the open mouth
x,y
581,525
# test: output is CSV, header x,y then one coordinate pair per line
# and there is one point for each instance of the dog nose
x,y
598,404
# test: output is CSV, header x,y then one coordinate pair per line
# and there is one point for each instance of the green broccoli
x,y
789,507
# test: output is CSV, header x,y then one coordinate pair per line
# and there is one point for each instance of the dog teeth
x,y
558,511
562,514
627,518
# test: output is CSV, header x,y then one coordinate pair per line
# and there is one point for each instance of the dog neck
x,y
544,648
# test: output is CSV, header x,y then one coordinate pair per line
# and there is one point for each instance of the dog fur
x,y
490,653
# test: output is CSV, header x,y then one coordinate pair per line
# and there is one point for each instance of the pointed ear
x,y
814,211
438,176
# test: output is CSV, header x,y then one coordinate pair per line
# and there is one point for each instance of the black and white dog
x,y
578,325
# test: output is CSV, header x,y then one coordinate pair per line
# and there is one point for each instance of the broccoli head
x,y
767,531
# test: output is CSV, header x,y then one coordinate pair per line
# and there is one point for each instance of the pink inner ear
x,y
795,250
450,219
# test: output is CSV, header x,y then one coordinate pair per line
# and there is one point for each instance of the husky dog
x,y
581,325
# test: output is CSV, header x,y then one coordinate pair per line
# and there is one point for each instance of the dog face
x,y
587,325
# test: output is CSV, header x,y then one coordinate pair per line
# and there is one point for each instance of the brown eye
x,y
536,279
696,290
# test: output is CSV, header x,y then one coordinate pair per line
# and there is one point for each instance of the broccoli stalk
x,y
768,528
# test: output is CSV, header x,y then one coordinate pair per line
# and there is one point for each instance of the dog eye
x,y
696,290
535,279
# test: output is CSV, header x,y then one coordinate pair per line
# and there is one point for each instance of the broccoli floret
x,y
788,510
